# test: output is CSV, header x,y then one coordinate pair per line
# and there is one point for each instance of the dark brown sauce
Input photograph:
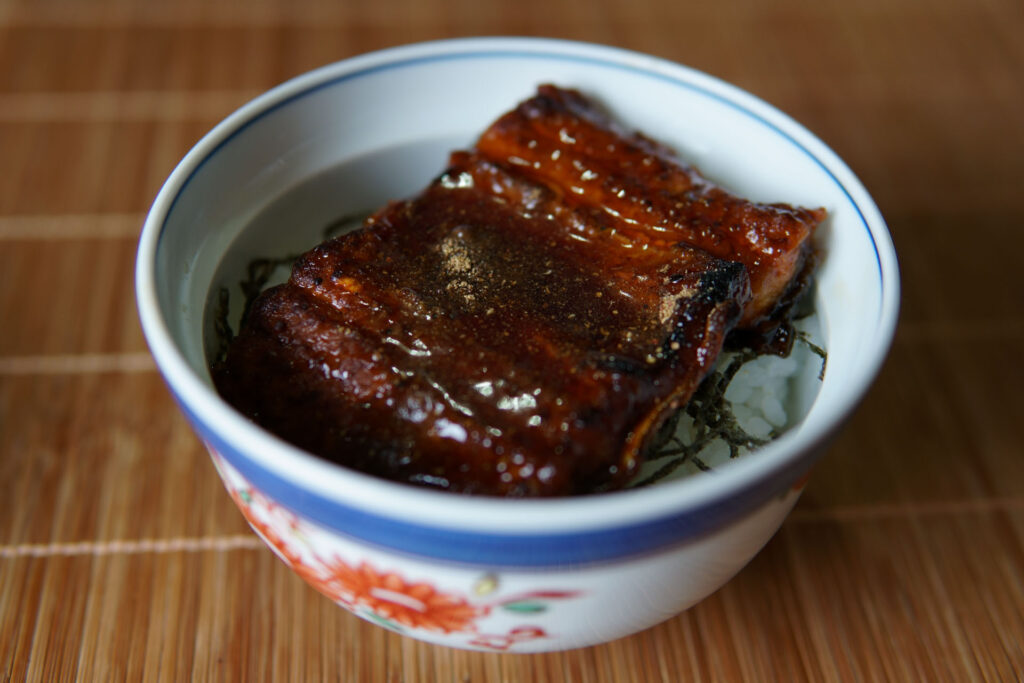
x,y
631,184
459,337
513,330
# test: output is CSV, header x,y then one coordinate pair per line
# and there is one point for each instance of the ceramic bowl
x,y
478,572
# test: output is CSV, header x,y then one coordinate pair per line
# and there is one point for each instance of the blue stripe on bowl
x,y
496,550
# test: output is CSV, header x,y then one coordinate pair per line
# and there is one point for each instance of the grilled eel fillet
x,y
631,184
490,335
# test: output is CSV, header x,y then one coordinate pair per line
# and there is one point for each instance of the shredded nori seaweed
x,y
816,350
221,326
713,419
258,273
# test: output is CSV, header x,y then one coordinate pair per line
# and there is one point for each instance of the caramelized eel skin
x,y
525,325
632,184
481,338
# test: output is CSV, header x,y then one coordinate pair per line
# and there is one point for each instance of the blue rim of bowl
x,y
501,550
518,550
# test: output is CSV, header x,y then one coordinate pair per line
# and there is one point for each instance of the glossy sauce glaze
x,y
489,335
634,185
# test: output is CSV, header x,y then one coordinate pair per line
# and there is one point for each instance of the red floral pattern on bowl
x,y
386,597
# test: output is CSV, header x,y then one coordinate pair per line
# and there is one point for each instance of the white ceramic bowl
x,y
475,572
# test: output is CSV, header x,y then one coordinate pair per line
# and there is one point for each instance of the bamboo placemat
x,y
121,558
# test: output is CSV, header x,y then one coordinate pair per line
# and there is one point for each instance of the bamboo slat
x,y
121,558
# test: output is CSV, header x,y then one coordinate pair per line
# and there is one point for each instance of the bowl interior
x,y
354,135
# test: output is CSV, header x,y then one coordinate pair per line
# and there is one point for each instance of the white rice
x,y
767,396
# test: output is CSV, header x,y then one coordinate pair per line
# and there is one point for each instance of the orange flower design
x,y
269,534
502,642
416,605
387,596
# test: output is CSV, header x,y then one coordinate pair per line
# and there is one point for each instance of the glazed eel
x,y
524,325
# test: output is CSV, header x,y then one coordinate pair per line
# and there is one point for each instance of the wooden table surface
x,y
121,557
